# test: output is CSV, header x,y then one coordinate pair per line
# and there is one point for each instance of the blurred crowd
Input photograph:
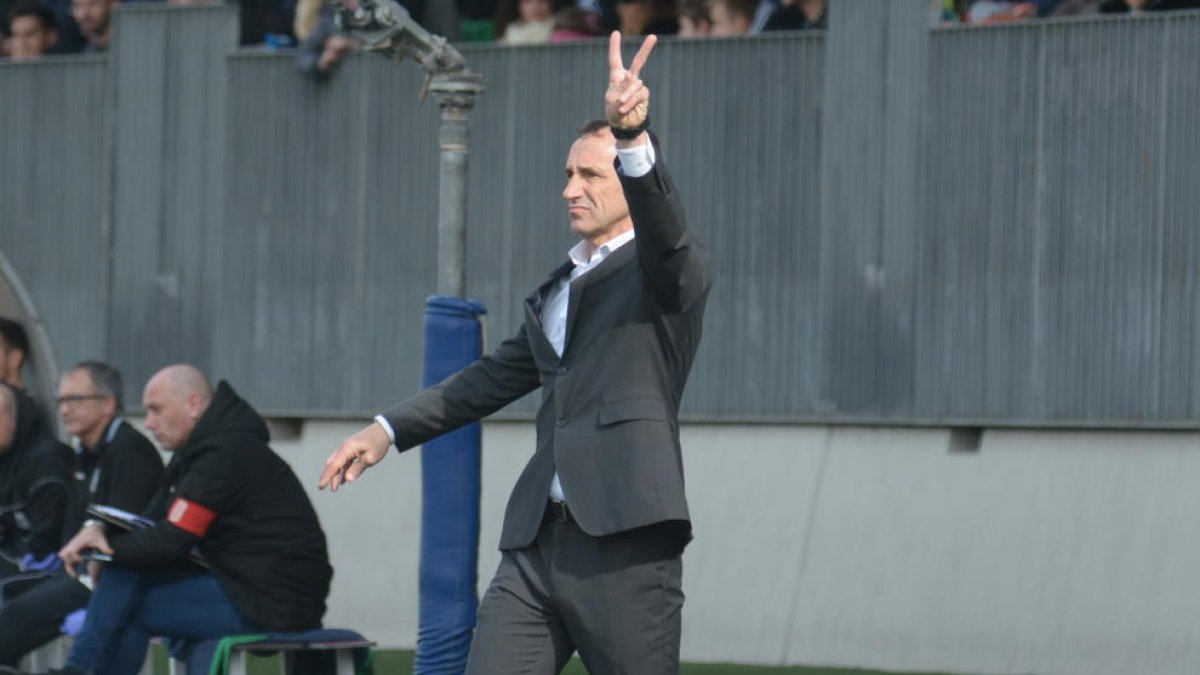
x,y
998,11
33,28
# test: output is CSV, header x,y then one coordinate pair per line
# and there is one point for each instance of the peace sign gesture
x,y
627,101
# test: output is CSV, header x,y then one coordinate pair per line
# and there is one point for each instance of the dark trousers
x,y
32,613
616,600
8,568
132,605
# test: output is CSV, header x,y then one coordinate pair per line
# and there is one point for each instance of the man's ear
x,y
110,407
194,406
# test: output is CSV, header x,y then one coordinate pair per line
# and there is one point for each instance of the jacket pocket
x,y
640,408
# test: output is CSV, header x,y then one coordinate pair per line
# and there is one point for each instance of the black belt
x,y
559,511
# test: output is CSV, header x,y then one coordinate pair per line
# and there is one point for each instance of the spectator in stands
x,y
35,477
322,45
731,17
1137,6
694,19
225,494
70,40
797,15
14,349
94,20
32,30
476,20
1002,11
1076,7
437,16
574,23
261,22
647,17
114,465
526,22
309,14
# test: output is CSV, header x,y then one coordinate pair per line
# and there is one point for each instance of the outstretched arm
x,y
474,392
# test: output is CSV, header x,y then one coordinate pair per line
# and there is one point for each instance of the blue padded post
x,y
450,504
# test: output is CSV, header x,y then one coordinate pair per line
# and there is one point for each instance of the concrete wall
x,y
1038,552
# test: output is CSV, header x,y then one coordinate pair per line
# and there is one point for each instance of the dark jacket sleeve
x,y
674,260
47,503
211,486
132,472
471,394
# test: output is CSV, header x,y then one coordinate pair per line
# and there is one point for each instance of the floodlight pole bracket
x,y
384,26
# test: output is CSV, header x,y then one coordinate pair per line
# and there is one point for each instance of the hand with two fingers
x,y
627,100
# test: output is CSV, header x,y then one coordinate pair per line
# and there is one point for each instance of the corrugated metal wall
x,y
986,226
55,194
1058,275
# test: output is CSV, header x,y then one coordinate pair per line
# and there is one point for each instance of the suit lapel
x,y
534,302
615,261
533,309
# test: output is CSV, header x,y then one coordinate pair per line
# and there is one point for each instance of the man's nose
x,y
571,189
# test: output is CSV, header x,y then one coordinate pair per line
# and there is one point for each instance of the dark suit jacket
x,y
609,414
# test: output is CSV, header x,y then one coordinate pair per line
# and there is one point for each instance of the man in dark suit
x,y
597,522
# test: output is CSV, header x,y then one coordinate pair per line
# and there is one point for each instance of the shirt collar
x,y
583,253
108,435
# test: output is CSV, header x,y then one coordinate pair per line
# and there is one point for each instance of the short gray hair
x,y
106,379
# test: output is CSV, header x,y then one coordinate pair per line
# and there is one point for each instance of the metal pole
x,y
385,26
456,95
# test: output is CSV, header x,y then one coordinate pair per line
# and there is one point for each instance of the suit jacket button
x,y
562,422
563,371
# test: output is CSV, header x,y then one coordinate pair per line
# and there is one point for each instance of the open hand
x,y
355,455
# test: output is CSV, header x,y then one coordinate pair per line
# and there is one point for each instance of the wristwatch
x,y
630,133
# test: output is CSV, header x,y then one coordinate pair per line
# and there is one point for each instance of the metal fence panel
x,y
908,226
168,123
329,223
977,271
55,227
1178,360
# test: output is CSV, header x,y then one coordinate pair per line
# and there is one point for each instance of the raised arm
x,y
674,260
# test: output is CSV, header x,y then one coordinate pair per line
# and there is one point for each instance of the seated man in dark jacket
x,y
114,465
226,495
35,476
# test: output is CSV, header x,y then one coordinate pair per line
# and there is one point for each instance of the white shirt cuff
x,y
636,161
386,427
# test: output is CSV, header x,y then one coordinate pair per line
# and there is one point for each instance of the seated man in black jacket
x,y
114,465
35,475
227,495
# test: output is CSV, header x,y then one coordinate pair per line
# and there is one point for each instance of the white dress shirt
x,y
635,161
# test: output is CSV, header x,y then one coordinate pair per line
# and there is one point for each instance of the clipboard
x,y
128,521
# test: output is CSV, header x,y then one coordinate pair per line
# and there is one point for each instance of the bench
x,y
329,650
340,645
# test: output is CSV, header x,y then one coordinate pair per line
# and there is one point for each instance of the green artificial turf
x,y
394,662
